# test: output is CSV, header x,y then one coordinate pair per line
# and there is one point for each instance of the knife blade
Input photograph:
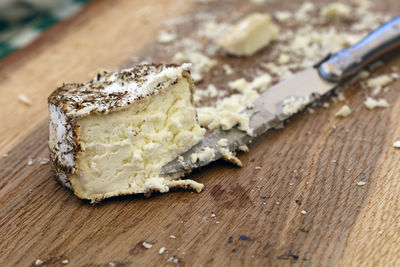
x,y
288,97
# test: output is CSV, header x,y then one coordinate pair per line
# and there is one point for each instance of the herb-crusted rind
x,y
107,92
110,91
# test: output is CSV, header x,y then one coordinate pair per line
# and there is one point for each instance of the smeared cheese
x,y
343,111
371,103
249,35
228,111
292,105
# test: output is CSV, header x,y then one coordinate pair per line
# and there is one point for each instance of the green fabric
x,y
22,21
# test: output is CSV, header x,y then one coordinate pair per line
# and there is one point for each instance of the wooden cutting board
x,y
244,217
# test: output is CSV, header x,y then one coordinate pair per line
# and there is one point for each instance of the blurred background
x,y
21,21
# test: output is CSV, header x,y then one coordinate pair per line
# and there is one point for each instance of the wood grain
x,y
310,165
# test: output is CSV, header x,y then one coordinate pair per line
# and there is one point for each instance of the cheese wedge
x,y
111,136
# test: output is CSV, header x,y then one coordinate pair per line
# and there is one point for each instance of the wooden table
x,y
307,166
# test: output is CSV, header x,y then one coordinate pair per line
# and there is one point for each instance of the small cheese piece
x,y
303,13
336,12
166,37
24,100
223,142
283,16
249,35
111,136
207,154
343,111
227,69
201,63
259,2
396,144
147,245
283,59
371,103
380,80
162,250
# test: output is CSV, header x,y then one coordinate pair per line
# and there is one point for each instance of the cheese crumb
x,y
38,262
24,100
259,2
361,183
249,35
302,13
166,37
343,111
363,74
283,59
210,92
44,161
207,154
377,83
228,69
283,16
147,245
201,63
396,144
222,142
239,84
243,148
336,12
173,259
371,103
162,250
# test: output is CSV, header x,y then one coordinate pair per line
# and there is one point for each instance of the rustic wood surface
x,y
307,166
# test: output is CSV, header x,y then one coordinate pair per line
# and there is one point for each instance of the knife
x,y
288,97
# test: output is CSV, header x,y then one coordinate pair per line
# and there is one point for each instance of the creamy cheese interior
x,y
123,151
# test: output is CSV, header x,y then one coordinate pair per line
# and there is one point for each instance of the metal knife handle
x,y
347,62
